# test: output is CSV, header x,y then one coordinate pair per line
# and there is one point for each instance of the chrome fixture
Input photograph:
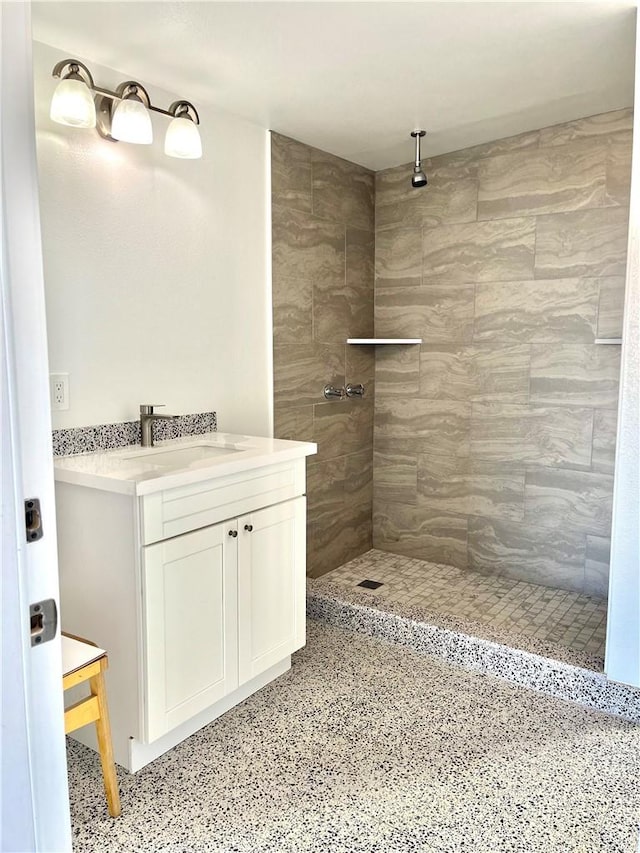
x,y
147,417
122,115
355,390
418,179
331,393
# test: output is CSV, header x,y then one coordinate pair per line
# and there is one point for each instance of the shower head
x,y
418,179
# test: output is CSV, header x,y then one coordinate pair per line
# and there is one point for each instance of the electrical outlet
x,y
59,385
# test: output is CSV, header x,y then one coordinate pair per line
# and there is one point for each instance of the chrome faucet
x,y
147,417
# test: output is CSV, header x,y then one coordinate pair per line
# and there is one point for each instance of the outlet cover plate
x,y
59,387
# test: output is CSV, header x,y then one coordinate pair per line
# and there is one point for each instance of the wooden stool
x,y
84,661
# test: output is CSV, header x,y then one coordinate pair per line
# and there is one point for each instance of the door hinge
x,y
33,519
44,621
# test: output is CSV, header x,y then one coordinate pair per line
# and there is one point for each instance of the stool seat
x,y
84,661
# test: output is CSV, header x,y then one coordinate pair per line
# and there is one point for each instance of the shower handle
x,y
355,390
331,393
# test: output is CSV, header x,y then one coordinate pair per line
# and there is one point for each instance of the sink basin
x,y
182,456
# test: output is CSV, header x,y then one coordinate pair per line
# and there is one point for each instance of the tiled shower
x,y
489,448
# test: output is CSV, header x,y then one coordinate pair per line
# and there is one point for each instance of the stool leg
x,y
103,730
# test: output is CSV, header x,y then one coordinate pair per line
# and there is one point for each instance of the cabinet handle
x,y
233,533
248,527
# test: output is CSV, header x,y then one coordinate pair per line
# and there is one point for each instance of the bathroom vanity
x,y
186,561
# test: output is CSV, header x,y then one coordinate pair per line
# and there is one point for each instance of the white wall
x,y
157,270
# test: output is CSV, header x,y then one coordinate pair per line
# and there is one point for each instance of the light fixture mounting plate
x,y
103,116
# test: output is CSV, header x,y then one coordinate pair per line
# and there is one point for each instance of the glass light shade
x,y
72,104
183,139
131,122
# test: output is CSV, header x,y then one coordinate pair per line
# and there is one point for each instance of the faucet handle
x,y
147,408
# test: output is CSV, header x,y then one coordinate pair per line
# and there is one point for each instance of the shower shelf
x,y
612,341
384,341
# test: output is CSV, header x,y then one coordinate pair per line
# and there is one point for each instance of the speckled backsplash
x,y
110,436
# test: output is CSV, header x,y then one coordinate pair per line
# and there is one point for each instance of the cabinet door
x,y
190,631
271,586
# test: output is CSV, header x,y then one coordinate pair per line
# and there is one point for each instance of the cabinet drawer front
x,y
175,511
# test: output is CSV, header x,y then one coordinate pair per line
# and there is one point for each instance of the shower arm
x,y
418,134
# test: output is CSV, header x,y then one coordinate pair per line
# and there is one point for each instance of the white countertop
x,y
135,470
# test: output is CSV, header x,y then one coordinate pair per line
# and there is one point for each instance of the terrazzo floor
x,y
569,619
367,747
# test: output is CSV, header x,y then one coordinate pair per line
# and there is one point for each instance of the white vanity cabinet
x,y
195,585
221,606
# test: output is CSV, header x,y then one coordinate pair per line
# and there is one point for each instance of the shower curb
x,y
559,679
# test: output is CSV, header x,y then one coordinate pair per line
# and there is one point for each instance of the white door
x,y
190,612
271,586
34,794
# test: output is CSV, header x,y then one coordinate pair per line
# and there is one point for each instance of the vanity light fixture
x,y
72,103
129,121
183,139
122,115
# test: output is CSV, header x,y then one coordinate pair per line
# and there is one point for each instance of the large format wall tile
x,y
619,169
508,307
343,427
464,163
438,313
562,310
475,373
395,475
582,243
358,477
300,372
323,267
611,307
597,126
341,312
447,484
442,424
339,509
306,247
440,537
399,256
604,440
521,142
551,180
325,488
578,500
446,199
343,192
360,249
596,567
547,436
398,370
293,423
575,375
348,536
548,557
480,251
292,310
290,173
360,367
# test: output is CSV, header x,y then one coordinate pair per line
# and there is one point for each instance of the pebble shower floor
x,y
568,619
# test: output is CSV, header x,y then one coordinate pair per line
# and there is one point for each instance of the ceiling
x,y
355,78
